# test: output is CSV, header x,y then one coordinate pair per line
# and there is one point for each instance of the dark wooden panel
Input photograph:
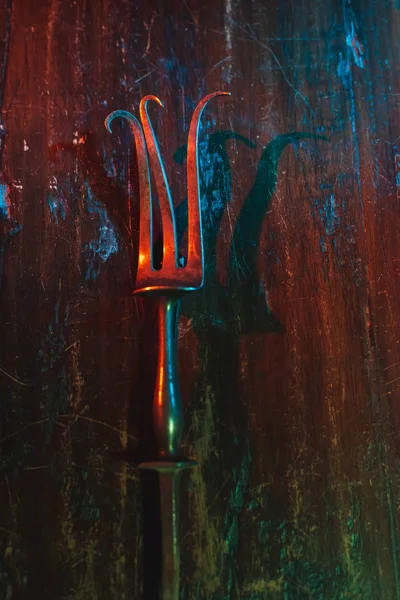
x,y
289,356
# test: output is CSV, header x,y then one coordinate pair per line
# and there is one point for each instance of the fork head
x,y
170,278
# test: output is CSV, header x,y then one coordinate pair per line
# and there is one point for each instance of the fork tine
x,y
170,246
145,205
195,257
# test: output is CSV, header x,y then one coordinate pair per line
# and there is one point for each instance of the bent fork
x,y
168,284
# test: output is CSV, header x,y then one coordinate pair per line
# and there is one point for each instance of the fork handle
x,y
167,405
169,479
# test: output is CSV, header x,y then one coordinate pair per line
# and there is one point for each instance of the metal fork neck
x,y
167,407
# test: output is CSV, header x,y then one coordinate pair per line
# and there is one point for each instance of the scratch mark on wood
x,y
250,32
144,76
148,27
13,378
38,468
74,417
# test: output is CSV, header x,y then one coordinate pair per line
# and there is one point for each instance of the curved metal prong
x,y
170,247
145,208
195,259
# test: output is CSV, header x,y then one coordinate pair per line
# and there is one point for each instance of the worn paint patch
x,y
81,559
109,164
344,70
228,31
57,200
241,479
397,171
11,227
261,587
5,203
327,215
356,46
57,208
106,242
208,548
346,76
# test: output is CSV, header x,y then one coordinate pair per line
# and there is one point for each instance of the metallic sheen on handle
x,y
169,479
167,406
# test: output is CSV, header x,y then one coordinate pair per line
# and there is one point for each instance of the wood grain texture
x,y
289,356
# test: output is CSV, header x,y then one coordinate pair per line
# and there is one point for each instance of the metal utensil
x,y
168,284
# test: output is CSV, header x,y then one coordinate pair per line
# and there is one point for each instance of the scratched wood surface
x,y
289,357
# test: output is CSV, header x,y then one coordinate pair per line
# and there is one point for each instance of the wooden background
x,y
289,357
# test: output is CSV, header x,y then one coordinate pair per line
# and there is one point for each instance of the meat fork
x,y
168,284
